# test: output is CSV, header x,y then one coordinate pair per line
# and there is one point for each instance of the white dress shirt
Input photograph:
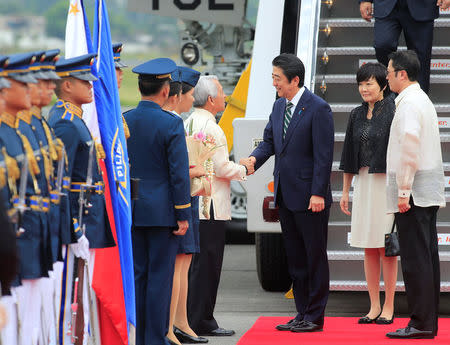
x,y
414,159
296,98
224,169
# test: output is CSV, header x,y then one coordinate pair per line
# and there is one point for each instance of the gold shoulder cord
x,y
100,154
32,162
12,170
51,144
59,151
125,128
2,177
48,166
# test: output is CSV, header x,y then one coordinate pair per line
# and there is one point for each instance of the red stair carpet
x,y
337,331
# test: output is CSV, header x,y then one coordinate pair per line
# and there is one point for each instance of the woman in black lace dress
x,y
364,159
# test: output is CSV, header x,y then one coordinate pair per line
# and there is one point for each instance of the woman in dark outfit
x,y
364,157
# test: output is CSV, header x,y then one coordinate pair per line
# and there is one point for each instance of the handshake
x,y
249,163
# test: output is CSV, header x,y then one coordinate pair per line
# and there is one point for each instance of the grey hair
x,y
205,87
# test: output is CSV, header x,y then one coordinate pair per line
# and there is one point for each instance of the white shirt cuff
x,y
404,193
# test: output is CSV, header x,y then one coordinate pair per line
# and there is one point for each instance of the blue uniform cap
x,y
176,75
79,67
4,84
18,68
35,67
117,49
47,67
189,76
156,69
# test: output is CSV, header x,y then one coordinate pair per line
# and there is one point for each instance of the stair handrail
x,y
307,38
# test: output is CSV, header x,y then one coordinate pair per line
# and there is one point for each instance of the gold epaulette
x,y
32,162
36,112
25,116
51,145
125,128
13,171
9,120
100,151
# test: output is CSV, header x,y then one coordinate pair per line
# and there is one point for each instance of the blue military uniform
x,y
66,120
59,215
158,157
34,262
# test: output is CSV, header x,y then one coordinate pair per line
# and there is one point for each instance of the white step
x,y
370,51
361,23
351,79
340,136
348,107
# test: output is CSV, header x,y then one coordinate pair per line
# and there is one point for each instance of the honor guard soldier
x,y
33,221
66,118
158,157
117,49
59,217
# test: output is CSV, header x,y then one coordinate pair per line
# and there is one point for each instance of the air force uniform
x,y
67,122
158,157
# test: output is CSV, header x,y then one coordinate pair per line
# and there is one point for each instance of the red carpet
x,y
337,331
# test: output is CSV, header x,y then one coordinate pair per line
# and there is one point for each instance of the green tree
x,y
56,17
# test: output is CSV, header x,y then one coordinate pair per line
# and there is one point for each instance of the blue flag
x,y
114,143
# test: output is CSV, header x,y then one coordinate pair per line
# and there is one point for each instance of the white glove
x,y
81,249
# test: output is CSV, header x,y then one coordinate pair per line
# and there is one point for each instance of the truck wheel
x,y
271,262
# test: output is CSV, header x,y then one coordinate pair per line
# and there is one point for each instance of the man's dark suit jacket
x,y
303,159
421,10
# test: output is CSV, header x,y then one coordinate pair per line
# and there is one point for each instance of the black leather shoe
x,y
384,321
307,326
218,332
410,333
367,320
287,326
185,338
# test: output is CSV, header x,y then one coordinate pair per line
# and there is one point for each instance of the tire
x,y
271,262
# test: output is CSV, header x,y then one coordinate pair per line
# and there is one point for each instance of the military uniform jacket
x,y
34,261
66,120
158,157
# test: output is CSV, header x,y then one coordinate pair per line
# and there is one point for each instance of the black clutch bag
x,y
391,245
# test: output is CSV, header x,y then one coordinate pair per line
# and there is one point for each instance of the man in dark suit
x,y
158,157
300,133
414,17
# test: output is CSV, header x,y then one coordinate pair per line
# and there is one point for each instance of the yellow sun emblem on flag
x,y
74,9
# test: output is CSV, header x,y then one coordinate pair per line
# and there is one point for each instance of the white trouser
x,y
9,333
29,307
48,307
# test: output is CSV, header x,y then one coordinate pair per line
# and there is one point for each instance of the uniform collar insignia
x,y
70,108
25,115
9,120
36,112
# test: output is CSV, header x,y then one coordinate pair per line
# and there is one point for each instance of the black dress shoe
x,y
384,321
287,326
410,333
185,338
218,332
307,326
367,320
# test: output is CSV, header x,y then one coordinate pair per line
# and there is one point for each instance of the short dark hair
x,y
149,87
185,88
407,61
376,70
291,66
175,88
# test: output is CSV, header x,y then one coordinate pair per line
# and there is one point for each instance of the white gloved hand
x,y
81,249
